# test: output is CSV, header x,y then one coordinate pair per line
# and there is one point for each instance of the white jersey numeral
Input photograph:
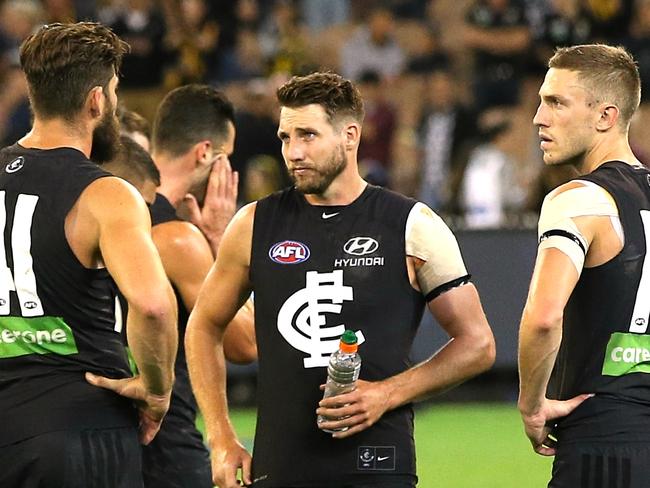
x,y
641,313
119,316
23,280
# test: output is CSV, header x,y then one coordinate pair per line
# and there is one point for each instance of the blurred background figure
x,y
372,47
319,14
563,24
284,41
498,35
257,141
18,19
376,148
489,188
446,133
141,23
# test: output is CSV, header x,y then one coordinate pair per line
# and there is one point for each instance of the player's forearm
x,y
153,340
239,342
207,368
458,360
539,341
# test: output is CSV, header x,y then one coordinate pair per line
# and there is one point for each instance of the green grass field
x,y
461,446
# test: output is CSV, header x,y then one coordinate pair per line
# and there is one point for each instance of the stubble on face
x,y
106,136
319,178
567,127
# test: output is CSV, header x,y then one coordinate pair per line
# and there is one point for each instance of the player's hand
x,y
226,460
537,425
220,202
152,408
363,407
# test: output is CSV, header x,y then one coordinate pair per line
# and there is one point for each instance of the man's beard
x,y
320,182
106,138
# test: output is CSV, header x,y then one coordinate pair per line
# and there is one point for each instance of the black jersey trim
x,y
439,290
563,233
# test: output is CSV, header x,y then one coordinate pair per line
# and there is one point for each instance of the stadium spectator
x,y
78,224
563,24
430,56
193,35
376,147
489,189
446,131
372,47
142,24
638,43
584,394
238,56
325,213
498,35
18,19
609,21
257,141
284,40
319,15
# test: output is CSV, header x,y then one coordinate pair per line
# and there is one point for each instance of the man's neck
x,y
340,192
610,149
174,178
55,133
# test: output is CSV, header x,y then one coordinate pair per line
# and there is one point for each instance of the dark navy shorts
x,y
602,465
106,458
176,458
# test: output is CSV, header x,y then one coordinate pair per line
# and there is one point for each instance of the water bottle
x,y
342,372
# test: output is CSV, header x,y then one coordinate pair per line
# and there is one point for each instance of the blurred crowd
x,y
450,86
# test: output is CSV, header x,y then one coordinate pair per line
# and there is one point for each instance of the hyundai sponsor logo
x,y
360,246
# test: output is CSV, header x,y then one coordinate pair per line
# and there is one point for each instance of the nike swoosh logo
x,y
329,216
382,458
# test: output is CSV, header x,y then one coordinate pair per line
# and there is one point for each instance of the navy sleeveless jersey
x,y
605,342
57,318
181,416
315,272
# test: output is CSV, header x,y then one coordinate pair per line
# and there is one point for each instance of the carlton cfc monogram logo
x,y
289,252
302,320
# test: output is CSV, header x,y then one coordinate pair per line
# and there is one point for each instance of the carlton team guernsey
x,y
605,339
315,272
57,318
179,422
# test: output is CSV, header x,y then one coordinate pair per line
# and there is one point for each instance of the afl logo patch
x,y
15,165
289,252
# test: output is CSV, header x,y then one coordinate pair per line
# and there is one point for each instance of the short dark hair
x,y
337,95
131,122
133,164
609,72
63,62
190,114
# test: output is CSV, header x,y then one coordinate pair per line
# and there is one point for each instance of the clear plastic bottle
x,y
342,371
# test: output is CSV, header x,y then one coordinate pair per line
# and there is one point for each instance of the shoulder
x,y
426,225
179,237
390,199
245,214
578,194
111,195
577,198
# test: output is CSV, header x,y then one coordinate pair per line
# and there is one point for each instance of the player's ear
x,y
352,133
95,101
609,115
202,152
